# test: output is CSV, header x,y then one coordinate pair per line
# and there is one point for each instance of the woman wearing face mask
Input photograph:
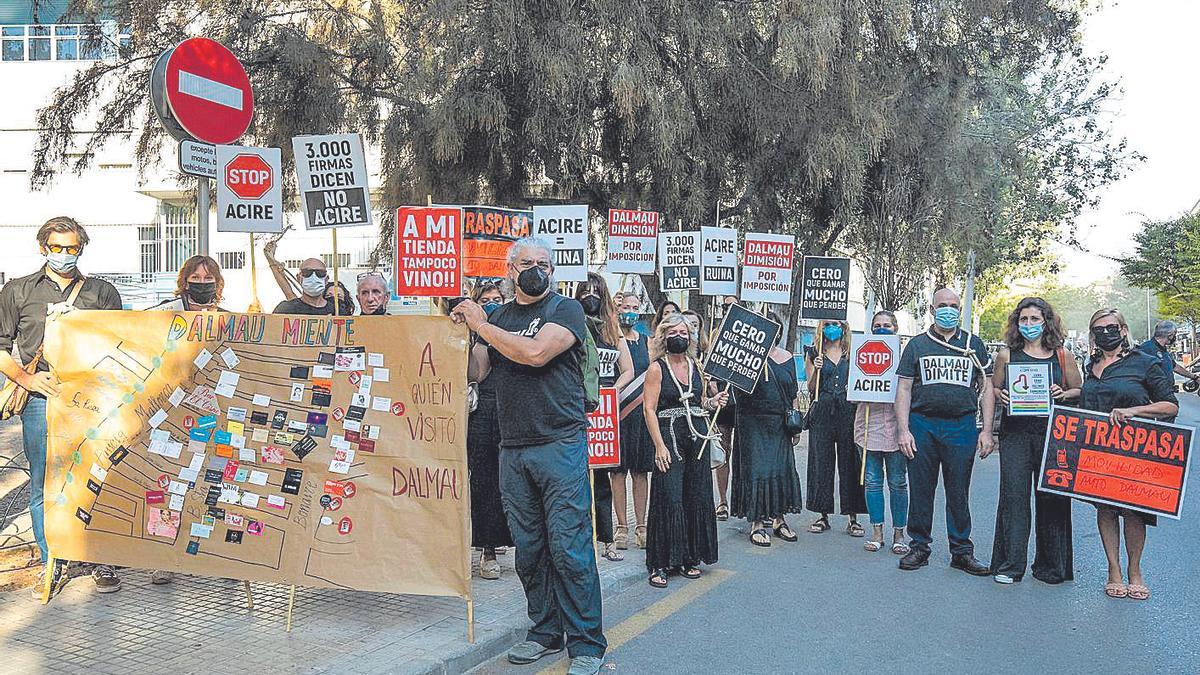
x,y
198,287
345,302
667,308
682,529
489,529
1033,334
616,370
831,430
875,430
637,449
1124,382
766,486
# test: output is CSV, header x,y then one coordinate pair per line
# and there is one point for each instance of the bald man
x,y
313,276
941,373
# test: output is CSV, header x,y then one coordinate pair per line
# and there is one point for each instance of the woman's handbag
x,y
795,422
14,398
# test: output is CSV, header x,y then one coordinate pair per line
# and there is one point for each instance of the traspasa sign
x,y
249,194
874,360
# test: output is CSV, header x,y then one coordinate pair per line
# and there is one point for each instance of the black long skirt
x,y
681,527
489,528
637,449
765,482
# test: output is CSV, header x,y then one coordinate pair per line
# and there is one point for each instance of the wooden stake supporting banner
x,y
291,601
48,579
470,621
337,294
249,596
255,304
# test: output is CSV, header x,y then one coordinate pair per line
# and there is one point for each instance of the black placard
x,y
739,354
825,288
303,447
291,481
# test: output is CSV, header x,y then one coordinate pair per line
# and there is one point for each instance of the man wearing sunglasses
x,y
23,305
313,277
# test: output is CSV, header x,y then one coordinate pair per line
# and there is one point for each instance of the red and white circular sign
x,y
398,409
874,358
338,413
345,525
208,91
248,176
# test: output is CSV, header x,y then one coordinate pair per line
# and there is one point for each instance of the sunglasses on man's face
x,y
313,272
69,250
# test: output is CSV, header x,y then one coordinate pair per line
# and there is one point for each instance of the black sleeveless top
x,y
639,351
1031,423
668,393
834,377
771,397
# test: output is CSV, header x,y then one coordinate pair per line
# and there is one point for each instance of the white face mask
x,y
62,263
313,286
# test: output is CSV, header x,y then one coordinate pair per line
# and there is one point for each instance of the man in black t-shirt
x,y
533,348
940,373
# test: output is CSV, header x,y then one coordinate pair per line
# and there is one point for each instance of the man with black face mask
x,y
534,351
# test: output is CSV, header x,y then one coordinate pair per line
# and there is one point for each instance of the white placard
x,y
767,268
873,363
249,189
679,261
632,241
718,261
331,174
566,229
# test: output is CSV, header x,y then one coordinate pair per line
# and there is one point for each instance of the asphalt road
x,y
824,604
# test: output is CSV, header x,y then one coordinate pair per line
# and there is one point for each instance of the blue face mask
x,y
1032,332
946,317
882,331
832,332
491,307
628,319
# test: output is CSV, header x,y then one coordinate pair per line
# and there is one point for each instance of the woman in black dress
x,y
766,486
831,431
616,370
1124,382
637,450
489,529
682,528
1034,334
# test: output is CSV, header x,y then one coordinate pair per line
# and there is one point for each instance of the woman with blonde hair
x,y
1123,382
831,430
681,528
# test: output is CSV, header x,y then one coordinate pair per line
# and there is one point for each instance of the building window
x,y
62,42
179,235
292,264
150,250
14,50
231,260
343,260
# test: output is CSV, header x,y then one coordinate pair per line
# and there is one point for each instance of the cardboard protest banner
x,y
429,243
679,261
249,189
566,229
320,451
767,268
718,261
1140,465
604,432
874,359
1029,389
488,233
739,354
331,174
825,291
632,236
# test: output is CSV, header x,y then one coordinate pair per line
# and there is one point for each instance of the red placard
x,y
208,91
429,251
604,432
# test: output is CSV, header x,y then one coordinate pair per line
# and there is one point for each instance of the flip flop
x,y
819,525
855,529
1116,590
1139,592
658,579
722,512
785,532
760,537
689,572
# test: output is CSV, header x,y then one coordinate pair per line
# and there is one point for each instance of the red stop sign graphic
x,y
248,176
874,358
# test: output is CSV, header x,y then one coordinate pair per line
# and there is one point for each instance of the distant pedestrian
x,y
831,431
637,448
681,529
875,432
536,351
766,486
1123,382
1033,334
1161,347
941,373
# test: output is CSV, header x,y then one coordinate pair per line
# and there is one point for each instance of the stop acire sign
x,y
874,358
248,176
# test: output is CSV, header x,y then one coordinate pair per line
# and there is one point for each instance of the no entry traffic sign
x,y
201,91
249,194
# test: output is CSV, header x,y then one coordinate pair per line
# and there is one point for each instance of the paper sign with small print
x,y
566,229
428,251
1029,389
331,173
632,238
679,261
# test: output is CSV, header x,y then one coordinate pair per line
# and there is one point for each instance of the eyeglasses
x,y
371,273
314,273
526,264
72,250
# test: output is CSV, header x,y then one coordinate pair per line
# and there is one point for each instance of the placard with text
x,y
566,230
739,353
428,251
679,261
604,432
767,268
632,236
718,261
825,291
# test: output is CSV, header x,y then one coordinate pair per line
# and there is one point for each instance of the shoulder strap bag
x,y
13,397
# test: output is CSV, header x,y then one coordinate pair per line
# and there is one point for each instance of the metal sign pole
x,y
203,199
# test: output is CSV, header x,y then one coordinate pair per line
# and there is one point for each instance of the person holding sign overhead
x,y
1033,335
1124,382
831,430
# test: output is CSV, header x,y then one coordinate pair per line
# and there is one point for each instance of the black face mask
x,y
533,281
677,344
1108,338
591,305
202,292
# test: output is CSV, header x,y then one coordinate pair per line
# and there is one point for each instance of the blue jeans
x,y
896,467
946,445
33,432
548,502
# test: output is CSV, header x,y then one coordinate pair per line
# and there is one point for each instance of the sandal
x,y
611,553
689,572
621,537
1115,589
872,545
855,529
819,525
785,533
639,535
899,545
760,537
1139,592
722,511
658,578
